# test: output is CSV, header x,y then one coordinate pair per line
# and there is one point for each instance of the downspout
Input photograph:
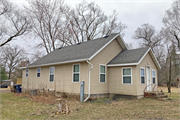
x,y
89,80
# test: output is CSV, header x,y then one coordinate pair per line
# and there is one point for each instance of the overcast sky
x,y
133,13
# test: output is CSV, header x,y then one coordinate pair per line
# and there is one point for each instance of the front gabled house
x,y
105,65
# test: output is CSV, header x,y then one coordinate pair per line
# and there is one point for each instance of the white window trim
x,y
76,72
51,74
153,76
102,73
28,74
38,72
143,76
127,75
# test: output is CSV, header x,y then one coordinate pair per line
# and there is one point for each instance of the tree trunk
x,y
169,82
9,76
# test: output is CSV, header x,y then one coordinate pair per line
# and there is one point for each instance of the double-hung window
x,y
102,73
27,72
142,76
38,72
127,75
153,76
76,73
51,75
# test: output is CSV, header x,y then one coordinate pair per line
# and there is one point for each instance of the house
x,y
105,65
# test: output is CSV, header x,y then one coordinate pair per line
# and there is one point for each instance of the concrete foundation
x,y
92,96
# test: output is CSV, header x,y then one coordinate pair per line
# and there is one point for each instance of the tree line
x,y
56,24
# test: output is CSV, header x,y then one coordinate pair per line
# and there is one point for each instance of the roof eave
x,y
153,57
123,43
156,61
58,63
22,68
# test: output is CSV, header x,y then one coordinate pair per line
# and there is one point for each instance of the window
x,y
102,73
142,76
127,78
27,72
38,72
51,75
153,76
76,73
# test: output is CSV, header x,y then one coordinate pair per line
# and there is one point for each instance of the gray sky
x,y
133,13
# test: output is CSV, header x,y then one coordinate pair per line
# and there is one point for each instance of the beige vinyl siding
x,y
34,82
115,81
147,60
104,57
62,78
115,78
64,82
24,79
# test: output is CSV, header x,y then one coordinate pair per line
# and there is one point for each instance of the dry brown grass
x,y
173,89
21,107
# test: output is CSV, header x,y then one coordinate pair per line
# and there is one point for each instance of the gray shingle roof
x,y
129,56
74,52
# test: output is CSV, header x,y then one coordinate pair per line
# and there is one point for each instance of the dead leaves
x,y
42,99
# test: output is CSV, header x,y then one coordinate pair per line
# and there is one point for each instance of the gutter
x,y
126,64
89,80
56,63
22,68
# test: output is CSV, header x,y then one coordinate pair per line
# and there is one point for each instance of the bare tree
x,y
46,19
58,25
148,36
35,56
11,56
171,22
87,21
171,60
5,7
13,22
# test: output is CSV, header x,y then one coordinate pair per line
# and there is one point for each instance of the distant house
x,y
105,65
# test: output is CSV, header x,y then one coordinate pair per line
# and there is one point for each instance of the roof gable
x,y
78,52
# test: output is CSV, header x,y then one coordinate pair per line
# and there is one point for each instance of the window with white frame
x,y
153,76
102,73
142,76
27,72
127,76
76,72
38,72
51,75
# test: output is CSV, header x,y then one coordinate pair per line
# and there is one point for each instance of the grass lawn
x,y
19,107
